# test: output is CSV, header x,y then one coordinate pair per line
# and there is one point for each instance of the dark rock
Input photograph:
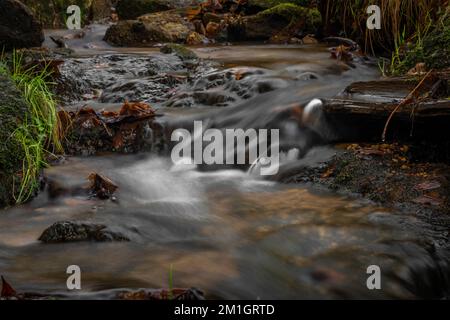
x,y
18,26
72,231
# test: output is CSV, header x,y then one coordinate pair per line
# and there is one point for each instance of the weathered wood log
x,y
361,111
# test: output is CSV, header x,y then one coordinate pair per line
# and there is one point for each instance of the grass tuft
x,y
39,133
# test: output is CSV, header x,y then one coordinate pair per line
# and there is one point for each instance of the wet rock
x,y
179,50
101,186
18,27
115,78
309,39
130,130
150,29
74,231
227,87
195,38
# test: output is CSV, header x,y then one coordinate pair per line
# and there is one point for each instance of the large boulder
x,y
277,24
167,26
13,109
18,27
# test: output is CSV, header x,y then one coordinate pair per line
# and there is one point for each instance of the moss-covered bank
x,y
13,111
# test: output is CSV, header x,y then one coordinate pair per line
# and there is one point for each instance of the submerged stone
x,y
72,231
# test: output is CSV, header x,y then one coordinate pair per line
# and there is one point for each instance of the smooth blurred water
x,y
227,232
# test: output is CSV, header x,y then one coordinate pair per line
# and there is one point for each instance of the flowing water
x,y
232,234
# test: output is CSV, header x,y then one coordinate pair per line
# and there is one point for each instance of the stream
x,y
230,233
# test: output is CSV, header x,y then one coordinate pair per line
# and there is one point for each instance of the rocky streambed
x,y
118,207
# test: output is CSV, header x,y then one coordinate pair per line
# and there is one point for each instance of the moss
x,y
266,4
13,109
181,51
131,9
293,14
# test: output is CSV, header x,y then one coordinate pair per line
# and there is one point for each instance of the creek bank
x,y
13,110
394,175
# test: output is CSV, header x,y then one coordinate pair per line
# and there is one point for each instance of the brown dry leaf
x,y
192,13
328,173
118,140
101,186
136,109
371,152
7,290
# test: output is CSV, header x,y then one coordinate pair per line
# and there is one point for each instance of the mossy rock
x,y
287,19
13,109
255,6
179,50
167,26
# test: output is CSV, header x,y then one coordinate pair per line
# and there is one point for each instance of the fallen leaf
x,y
7,290
102,187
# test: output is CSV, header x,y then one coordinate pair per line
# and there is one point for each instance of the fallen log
x,y
353,120
361,112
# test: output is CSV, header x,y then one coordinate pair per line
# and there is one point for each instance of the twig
x,y
406,101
